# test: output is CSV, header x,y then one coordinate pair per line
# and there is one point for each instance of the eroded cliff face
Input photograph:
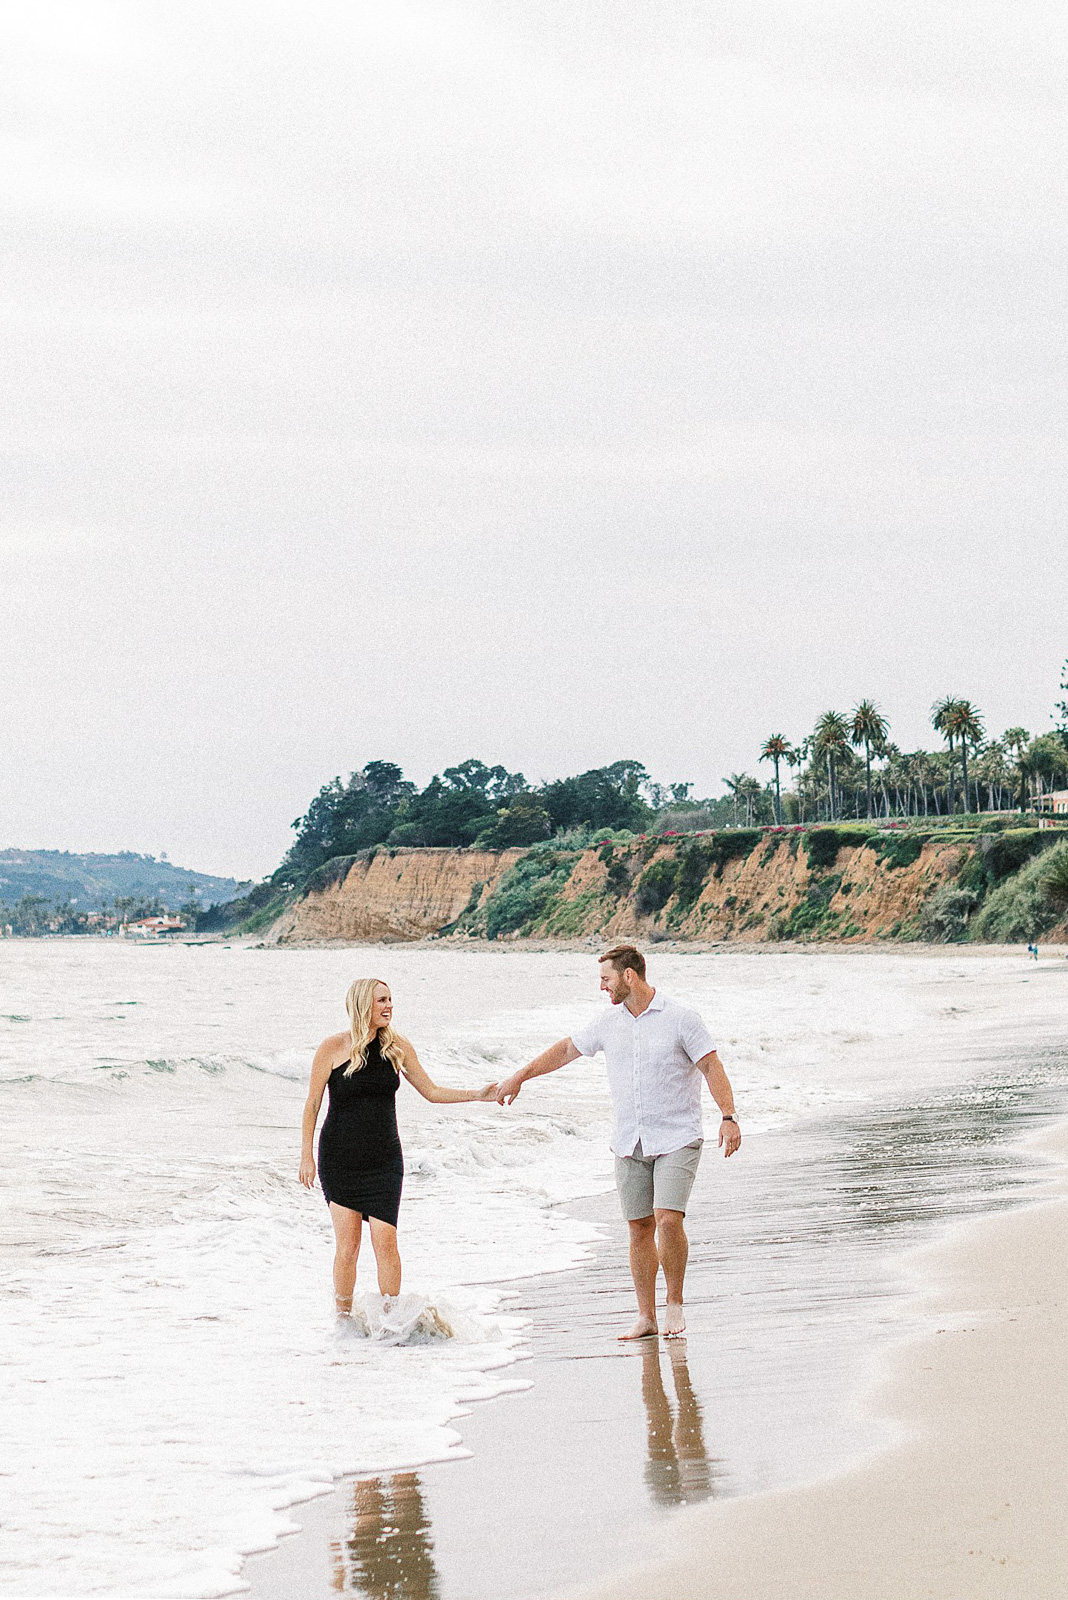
x,y
392,894
842,884
773,893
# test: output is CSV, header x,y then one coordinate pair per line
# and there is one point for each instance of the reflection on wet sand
x,y
388,1552
678,1471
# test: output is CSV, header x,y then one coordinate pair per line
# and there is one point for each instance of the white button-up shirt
x,y
652,1076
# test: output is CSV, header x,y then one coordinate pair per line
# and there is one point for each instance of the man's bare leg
x,y
644,1265
673,1250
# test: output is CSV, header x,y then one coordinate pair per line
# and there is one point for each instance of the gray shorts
x,y
657,1183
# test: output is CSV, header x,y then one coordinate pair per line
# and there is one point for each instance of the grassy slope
x,y
852,882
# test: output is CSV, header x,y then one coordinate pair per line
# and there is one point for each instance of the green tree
x,y
456,806
995,772
943,720
604,797
524,821
1047,761
830,743
133,907
344,818
747,789
1017,740
869,728
968,725
776,749
1062,705
736,784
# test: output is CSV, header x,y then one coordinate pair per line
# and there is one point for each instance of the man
x,y
657,1052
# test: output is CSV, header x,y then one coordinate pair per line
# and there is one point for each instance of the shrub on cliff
x,y
945,916
655,888
696,861
999,855
823,844
733,844
1027,905
897,850
524,893
812,917
1054,878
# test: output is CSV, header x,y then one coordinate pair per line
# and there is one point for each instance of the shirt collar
x,y
655,1004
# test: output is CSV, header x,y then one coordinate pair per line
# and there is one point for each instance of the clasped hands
x,y
504,1093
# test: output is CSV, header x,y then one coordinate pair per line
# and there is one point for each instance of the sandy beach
x,y
965,1504
629,1472
889,1101
970,1502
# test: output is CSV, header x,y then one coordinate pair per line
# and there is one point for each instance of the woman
x,y
361,1165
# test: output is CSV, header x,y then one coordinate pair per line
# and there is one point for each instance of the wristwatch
x,y
730,1117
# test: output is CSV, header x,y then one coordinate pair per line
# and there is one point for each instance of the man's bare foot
x,y
644,1328
674,1322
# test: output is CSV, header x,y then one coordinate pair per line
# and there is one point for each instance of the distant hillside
x,y
93,881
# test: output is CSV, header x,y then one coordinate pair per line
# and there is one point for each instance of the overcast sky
x,y
538,380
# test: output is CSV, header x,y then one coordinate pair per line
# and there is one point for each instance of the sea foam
x,y
176,1374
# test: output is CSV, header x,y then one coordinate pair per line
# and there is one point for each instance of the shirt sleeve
x,y
587,1037
694,1036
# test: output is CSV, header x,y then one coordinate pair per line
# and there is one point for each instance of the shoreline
x,y
1053,949
787,1290
967,1497
581,1377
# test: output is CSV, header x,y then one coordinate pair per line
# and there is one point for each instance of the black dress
x,y
361,1164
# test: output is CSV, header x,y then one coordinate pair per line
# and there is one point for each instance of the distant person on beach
x,y
361,1164
657,1053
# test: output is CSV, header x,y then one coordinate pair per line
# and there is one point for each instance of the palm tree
x,y
751,790
922,773
869,729
736,784
993,770
1017,740
830,740
894,772
942,720
968,726
776,749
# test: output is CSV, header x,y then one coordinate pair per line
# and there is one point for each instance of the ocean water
x,y
176,1381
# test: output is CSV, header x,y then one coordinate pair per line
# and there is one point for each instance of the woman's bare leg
x,y
348,1230
387,1255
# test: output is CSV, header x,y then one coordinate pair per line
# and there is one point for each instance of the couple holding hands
x,y
657,1054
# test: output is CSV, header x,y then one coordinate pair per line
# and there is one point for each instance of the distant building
x,y
153,928
1055,803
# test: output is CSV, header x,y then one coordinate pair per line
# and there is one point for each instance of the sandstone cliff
x,y
392,894
848,883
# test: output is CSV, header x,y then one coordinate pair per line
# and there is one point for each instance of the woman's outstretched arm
x,y
322,1066
420,1079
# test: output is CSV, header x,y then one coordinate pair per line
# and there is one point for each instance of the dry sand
x,y
970,1504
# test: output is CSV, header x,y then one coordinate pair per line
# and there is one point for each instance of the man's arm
x,y
711,1069
551,1060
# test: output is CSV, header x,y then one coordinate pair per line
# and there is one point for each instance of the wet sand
x,y
969,1504
622,1455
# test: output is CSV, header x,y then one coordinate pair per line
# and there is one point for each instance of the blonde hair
x,y
358,1003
